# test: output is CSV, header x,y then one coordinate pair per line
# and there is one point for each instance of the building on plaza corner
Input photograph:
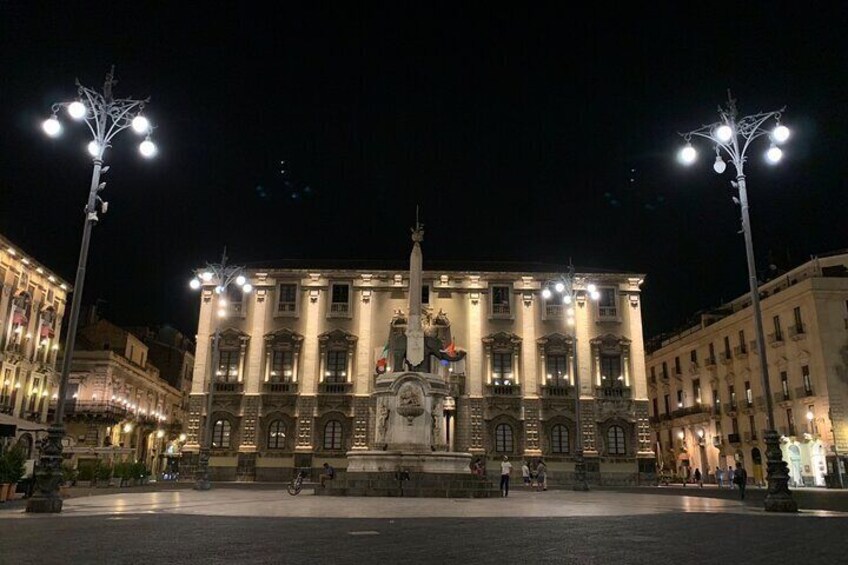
x,y
299,355
117,406
32,306
707,403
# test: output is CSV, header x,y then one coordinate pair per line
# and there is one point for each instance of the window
x,y
556,370
718,428
805,376
752,423
425,294
693,356
727,347
778,333
502,368
503,438
653,374
611,374
277,435
811,411
333,435
656,407
680,399
749,395
606,303
711,357
784,384
340,300
799,323
734,425
732,393
716,400
665,370
743,346
500,301
228,365
282,365
615,441
667,409
336,371
677,368
221,434
791,421
559,439
287,299
696,390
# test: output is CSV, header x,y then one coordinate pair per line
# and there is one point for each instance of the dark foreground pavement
x,y
661,538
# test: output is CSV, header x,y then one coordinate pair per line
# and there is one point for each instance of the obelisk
x,y
414,331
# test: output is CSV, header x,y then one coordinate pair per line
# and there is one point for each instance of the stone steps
x,y
419,485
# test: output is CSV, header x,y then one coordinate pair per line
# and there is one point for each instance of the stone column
x,y
254,373
364,367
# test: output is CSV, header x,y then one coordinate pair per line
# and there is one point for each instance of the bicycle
x,y
296,484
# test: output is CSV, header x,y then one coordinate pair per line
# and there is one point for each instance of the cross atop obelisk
x,y
414,331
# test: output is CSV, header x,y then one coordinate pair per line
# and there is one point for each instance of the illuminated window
x,y
333,435
221,434
559,439
503,438
277,435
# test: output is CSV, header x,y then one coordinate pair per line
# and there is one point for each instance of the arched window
x,y
277,435
615,441
559,439
221,434
333,435
503,438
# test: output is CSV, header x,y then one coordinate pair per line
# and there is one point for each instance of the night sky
x,y
524,136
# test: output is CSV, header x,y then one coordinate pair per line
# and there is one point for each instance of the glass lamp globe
x,y
194,284
688,155
240,280
147,148
546,293
51,126
93,148
780,134
724,133
76,110
140,124
559,287
774,154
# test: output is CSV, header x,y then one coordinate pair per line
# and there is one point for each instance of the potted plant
x,y
69,478
4,479
13,470
102,474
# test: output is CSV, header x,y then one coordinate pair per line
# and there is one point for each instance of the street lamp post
x,y
732,136
105,116
220,277
835,450
566,287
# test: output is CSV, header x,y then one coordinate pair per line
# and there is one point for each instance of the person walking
x,y
698,478
730,477
525,473
720,477
741,478
506,469
542,475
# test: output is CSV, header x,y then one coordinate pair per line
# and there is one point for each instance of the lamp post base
x,y
48,474
580,473
202,481
778,496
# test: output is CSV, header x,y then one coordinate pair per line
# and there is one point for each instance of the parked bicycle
x,y
296,484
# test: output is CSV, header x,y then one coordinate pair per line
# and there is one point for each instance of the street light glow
x,y
93,148
780,134
240,280
247,288
559,287
147,148
52,126
688,155
595,295
140,124
546,293
724,133
774,154
76,110
222,313
206,276
566,299
194,284
719,166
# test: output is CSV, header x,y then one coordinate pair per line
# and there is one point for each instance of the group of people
x,y
535,477
735,478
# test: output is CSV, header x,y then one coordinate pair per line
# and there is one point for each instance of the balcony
x,y
335,388
803,392
775,339
279,388
753,347
554,311
689,410
726,357
734,439
608,314
717,441
781,397
503,390
557,391
797,332
106,411
339,310
716,411
710,362
694,367
237,309
750,437
231,388
740,352
6,408
612,392
665,417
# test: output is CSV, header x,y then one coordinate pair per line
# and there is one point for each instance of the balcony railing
x,y
557,391
726,357
229,387
694,368
740,351
607,312
612,392
797,331
554,311
710,362
500,309
733,438
689,410
335,388
781,396
504,390
801,392
279,388
339,309
775,339
107,410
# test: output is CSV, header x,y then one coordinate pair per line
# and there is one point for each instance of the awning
x,y
22,425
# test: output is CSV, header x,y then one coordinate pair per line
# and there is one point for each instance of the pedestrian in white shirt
x,y
525,473
506,469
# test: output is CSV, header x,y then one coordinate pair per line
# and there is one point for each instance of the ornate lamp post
x,y
105,116
731,136
220,277
566,288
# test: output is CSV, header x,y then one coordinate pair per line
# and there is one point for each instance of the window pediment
x,y
502,341
232,338
611,344
337,339
555,343
284,339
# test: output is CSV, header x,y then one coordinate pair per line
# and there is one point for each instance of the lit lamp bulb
x,y
140,124
719,166
240,280
183,437
194,284
51,126
546,293
780,134
160,433
810,415
247,288
128,427
76,110
147,148
774,154
680,434
688,154
93,148
566,299
724,133
222,313
559,287
206,276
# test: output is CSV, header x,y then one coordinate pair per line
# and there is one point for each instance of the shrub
x,y
102,472
69,474
12,465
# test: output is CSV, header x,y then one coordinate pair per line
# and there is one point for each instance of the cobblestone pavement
x,y
258,526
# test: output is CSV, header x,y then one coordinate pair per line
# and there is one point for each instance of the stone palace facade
x,y
300,353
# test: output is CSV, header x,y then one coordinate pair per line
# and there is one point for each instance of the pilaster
x,y
255,374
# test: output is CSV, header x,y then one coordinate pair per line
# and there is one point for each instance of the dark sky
x,y
517,132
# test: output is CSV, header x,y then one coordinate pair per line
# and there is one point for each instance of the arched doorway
x,y
757,460
817,460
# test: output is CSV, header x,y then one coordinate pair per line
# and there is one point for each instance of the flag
x,y
383,359
450,350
